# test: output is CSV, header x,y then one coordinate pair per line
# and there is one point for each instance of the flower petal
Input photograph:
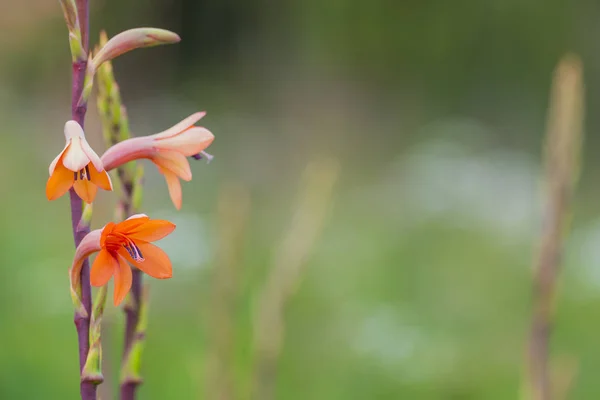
x,y
75,159
73,130
136,216
104,267
174,187
174,162
180,126
189,142
55,161
89,244
151,231
100,178
59,182
127,150
122,281
85,189
131,223
107,230
92,156
156,262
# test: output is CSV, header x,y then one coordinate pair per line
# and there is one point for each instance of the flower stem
x,y
82,322
138,320
132,310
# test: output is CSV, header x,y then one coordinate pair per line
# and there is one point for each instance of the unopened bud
x,y
92,370
70,12
133,39
86,218
103,38
88,83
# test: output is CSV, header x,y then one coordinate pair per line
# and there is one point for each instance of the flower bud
x,y
133,39
70,12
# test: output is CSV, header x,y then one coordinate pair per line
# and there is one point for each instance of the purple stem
x,y
128,390
133,313
132,316
87,389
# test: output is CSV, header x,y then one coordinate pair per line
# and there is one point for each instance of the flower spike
x,y
167,150
76,166
118,245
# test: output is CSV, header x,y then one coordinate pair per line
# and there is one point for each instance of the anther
x,y
87,172
201,155
81,176
74,175
134,251
129,250
139,252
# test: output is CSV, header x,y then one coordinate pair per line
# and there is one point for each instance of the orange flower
x,y
120,244
168,150
77,166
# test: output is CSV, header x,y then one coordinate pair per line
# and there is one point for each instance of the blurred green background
x,y
417,287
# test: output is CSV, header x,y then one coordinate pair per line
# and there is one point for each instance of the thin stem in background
x,y
286,273
132,317
131,363
563,141
233,211
106,390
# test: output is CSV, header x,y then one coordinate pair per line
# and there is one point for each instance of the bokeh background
x,y
368,225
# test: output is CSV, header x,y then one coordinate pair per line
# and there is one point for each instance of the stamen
x,y
203,154
129,250
74,175
87,172
81,175
134,251
139,252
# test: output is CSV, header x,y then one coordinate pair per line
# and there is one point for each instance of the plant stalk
x,y
82,322
130,371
